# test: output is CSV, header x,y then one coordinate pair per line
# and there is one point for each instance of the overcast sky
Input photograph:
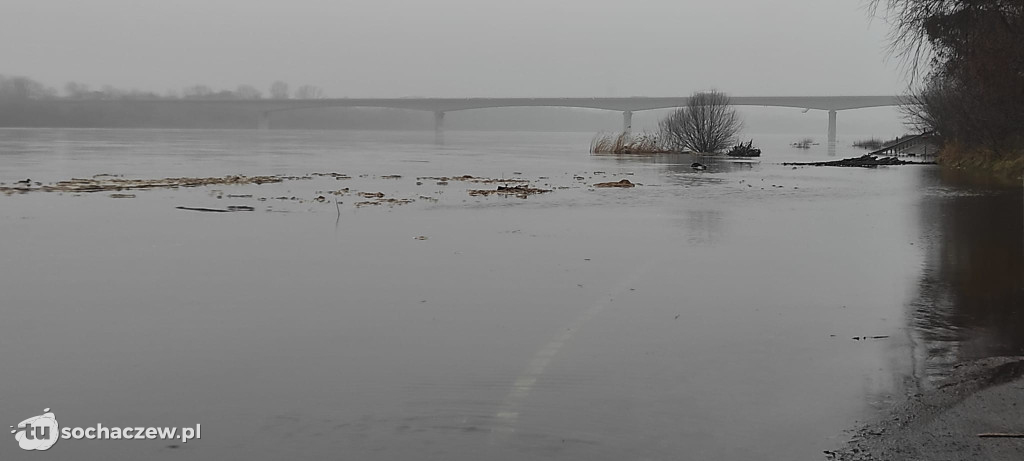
x,y
455,48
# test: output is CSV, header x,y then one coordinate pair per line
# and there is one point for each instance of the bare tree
x,y
22,88
247,92
76,90
109,92
708,123
308,92
279,90
196,92
969,55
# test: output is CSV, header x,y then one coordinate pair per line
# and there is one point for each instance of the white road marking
x,y
508,414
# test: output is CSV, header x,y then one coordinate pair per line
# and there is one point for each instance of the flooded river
x,y
750,311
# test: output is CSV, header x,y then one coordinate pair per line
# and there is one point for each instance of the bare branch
x,y
708,123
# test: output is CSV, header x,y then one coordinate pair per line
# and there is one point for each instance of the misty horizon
x,y
455,48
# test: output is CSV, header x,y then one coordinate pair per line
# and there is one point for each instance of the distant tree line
x,y
968,57
24,103
18,88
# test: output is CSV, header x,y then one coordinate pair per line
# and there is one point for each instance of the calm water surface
x,y
701,315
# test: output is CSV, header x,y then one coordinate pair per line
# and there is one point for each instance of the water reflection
x,y
680,163
703,227
971,291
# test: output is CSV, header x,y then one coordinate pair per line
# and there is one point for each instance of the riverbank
x,y
1009,168
983,397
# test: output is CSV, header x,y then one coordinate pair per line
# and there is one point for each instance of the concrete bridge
x,y
263,108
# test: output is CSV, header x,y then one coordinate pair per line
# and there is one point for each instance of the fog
x,y
455,48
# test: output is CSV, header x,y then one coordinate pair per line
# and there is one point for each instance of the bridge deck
x,y
633,104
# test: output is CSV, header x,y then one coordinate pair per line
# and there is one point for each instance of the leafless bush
x,y
708,123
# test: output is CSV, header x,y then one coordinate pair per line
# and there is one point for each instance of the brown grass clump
x,y
619,183
521,191
624,144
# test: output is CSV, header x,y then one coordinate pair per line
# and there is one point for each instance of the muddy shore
x,y
977,414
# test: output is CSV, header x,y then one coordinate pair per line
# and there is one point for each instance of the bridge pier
x,y
263,123
439,127
627,122
832,132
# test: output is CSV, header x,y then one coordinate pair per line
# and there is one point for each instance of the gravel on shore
x,y
982,397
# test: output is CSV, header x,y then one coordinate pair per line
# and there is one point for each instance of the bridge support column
x,y
627,122
439,127
832,132
263,122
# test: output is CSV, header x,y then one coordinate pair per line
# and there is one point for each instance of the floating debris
x,y
121,195
744,150
422,237
119,184
338,176
391,176
621,183
385,201
396,201
521,191
468,178
864,161
239,195
372,194
216,210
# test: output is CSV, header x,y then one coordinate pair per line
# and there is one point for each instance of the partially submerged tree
x,y
708,123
